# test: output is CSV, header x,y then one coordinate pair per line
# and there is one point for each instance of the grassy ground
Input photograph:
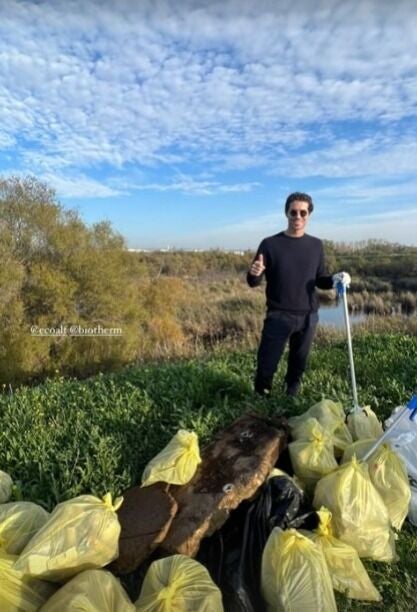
x,y
64,438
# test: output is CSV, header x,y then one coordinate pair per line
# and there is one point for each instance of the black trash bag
x,y
233,555
223,554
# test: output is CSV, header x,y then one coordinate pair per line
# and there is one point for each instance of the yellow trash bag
x,y
81,533
176,463
303,429
389,477
312,457
19,521
347,571
358,448
325,409
178,583
19,593
294,575
6,484
360,517
331,417
364,424
90,591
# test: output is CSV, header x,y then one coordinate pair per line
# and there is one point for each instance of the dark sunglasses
x,y
302,213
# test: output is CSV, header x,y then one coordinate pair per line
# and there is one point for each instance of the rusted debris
x,y
234,465
145,517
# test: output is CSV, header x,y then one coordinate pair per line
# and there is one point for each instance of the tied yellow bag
x,y
358,448
81,533
178,583
19,521
325,409
6,484
294,575
364,424
19,593
303,430
360,517
91,591
347,571
176,463
389,477
312,457
331,417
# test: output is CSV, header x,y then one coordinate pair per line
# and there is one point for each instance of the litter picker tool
x,y
341,292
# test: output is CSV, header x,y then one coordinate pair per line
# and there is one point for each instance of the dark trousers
x,y
279,328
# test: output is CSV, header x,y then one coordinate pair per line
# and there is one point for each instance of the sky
x,y
186,123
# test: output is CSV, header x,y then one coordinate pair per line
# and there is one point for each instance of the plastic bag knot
x,y
107,500
325,516
189,440
167,593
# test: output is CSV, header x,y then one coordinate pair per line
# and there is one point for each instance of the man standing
x,y
293,264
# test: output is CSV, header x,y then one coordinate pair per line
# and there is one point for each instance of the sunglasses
x,y
301,213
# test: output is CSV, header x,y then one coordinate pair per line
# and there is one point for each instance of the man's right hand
x,y
258,266
343,278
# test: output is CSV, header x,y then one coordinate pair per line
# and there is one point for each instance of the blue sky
x,y
186,123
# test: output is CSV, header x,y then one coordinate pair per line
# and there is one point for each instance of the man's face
x,y
297,217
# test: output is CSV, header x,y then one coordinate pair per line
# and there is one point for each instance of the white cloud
x,y
102,82
360,193
188,185
74,185
79,186
131,92
6,141
378,154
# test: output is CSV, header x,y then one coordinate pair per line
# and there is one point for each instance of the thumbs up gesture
x,y
258,266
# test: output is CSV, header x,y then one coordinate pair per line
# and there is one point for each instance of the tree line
x,y
57,272
374,265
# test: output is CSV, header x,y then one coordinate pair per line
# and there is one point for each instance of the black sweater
x,y
293,268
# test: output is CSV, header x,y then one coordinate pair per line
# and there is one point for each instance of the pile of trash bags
x,y
371,496
57,559
54,561
304,537
300,539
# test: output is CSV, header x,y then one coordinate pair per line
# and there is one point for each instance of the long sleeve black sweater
x,y
293,268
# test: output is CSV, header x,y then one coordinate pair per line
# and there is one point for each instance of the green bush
x,y
58,272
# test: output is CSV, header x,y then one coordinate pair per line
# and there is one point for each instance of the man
x,y
293,264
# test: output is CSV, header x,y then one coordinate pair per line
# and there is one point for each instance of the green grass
x,y
67,437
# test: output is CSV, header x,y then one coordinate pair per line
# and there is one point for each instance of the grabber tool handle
x,y
341,291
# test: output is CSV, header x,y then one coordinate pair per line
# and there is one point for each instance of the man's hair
x,y
300,197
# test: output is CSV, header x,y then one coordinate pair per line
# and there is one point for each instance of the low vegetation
x,y
67,437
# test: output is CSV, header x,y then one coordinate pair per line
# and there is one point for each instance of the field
x,y
67,437
165,304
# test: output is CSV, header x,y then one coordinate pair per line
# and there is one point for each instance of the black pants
x,y
279,328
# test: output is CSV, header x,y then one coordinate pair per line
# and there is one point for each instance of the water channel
x,y
333,316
